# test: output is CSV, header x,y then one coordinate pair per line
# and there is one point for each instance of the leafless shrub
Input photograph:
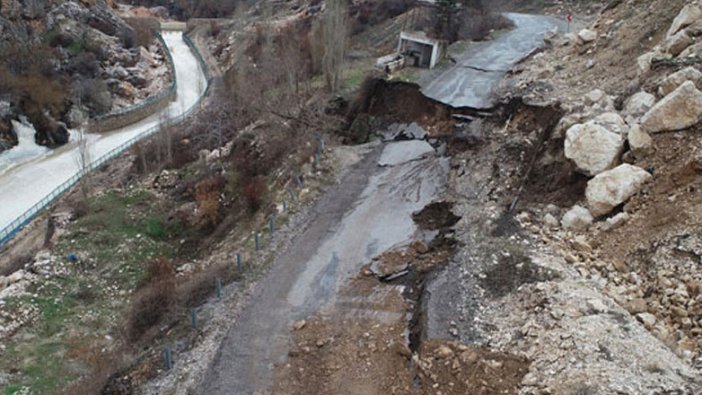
x,y
207,196
335,28
153,301
83,159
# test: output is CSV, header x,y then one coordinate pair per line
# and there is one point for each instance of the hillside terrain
x,y
65,62
320,227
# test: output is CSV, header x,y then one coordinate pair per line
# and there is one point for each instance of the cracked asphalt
x,y
367,213
473,79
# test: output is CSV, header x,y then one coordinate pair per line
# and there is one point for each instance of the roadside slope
x,y
26,185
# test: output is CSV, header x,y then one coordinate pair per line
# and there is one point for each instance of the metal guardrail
x,y
9,231
150,101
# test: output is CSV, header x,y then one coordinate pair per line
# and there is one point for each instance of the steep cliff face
x,y
62,62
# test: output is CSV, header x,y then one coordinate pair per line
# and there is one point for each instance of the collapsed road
x,y
472,80
367,213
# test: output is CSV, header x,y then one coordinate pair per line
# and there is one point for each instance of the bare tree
x,y
83,159
335,29
165,139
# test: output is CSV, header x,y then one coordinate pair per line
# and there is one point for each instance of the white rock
x,y
639,103
648,319
692,50
593,148
686,17
15,277
614,187
612,122
673,81
565,123
639,141
616,221
596,306
577,218
679,110
594,96
550,221
644,61
677,43
587,35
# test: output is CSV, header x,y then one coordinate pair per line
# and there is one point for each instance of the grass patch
x,y
77,311
75,48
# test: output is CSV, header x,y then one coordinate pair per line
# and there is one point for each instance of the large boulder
x,y
692,50
679,110
612,122
639,103
673,81
640,142
593,148
677,43
687,16
614,187
587,35
577,218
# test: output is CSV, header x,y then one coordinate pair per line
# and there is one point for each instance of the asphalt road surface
x,y
28,176
473,79
367,213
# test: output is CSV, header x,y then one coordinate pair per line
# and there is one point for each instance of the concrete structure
x,y
421,50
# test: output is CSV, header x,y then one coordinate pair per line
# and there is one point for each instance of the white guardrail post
x,y
7,233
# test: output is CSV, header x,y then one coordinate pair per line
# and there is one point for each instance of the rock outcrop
x,y
614,187
639,103
612,122
90,62
577,218
673,81
593,148
678,43
640,142
687,16
679,110
587,35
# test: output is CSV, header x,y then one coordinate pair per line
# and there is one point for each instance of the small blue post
x,y
298,180
238,263
285,206
258,241
193,318
271,224
218,287
168,357
321,143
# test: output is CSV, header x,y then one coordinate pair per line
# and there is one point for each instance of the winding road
x,y
368,212
24,185
474,77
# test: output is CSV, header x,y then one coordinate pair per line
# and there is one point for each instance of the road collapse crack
x,y
484,70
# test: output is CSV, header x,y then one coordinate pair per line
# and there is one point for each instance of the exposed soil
x,y
454,368
366,345
403,102
436,216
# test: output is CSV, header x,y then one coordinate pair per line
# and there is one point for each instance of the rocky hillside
x,y
629,89
63,61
